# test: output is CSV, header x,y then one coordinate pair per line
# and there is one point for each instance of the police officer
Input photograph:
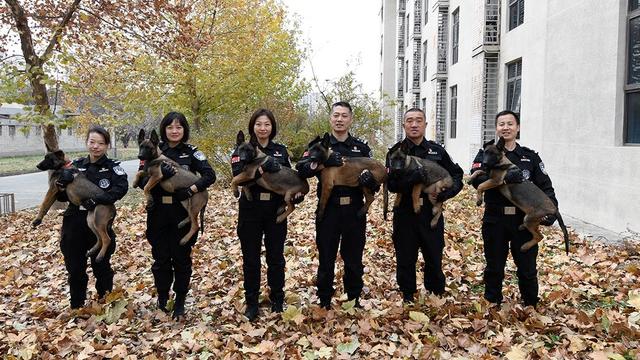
x,y
257,218
413,231
501,218
340,221
76,237
172,261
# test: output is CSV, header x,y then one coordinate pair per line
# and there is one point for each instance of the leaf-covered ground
x,y
590,305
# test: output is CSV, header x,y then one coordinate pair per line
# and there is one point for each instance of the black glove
x,y
335,159
513,176
548,220
89,204
65,178
366,179
270,166
183,194
103,199
167,170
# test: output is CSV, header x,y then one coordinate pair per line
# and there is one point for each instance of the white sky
x,y
340,32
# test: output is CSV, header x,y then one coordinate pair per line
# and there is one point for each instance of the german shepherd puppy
x,y
526,195
345,175
153,158
437,180
78,190
285,182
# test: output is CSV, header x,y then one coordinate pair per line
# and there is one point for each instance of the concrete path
x,y
29,189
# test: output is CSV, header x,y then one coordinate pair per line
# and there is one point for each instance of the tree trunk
x,y
195,104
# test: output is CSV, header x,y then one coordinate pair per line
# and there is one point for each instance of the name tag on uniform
x,y
265,196
345,200
509,210
167,199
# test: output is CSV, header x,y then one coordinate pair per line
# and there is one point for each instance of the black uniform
x,y
77,238
170,259
500,228
340,222
413,231
255,219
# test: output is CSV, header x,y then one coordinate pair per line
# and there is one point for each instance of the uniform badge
x,y
277,153
119,170
104,183
526,174
542,168
199,155
355,149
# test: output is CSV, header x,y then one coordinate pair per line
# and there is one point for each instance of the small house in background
x,y
20,138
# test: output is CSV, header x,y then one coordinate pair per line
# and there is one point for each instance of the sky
x,y
340,32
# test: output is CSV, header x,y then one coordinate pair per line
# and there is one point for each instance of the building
x,y
19,138
570,68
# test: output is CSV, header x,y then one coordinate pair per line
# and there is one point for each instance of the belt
x,y
342,200
502,210
263,196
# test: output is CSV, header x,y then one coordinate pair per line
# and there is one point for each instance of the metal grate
x,y
400,79
492,22
7,204
442,38
399,118
417,18
489,97
441,110
416,65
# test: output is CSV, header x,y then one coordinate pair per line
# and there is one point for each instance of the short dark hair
x,y
256,115
508,112
415,109
168,119
343,104
99,130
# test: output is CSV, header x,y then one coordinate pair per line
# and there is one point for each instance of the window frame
x,y
455,35
634,88
516,78
453,111
519,14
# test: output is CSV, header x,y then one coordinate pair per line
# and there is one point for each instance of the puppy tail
x,y
564,231
202,220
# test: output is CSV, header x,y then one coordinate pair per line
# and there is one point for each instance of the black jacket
x,y
398,182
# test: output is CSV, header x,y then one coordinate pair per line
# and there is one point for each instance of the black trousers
x,y
76,240
412,232
341,229
499,233
255,219
171,261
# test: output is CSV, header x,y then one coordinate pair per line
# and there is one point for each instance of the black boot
x,y
357,301
251,312
325,303
277,307
407,298
277,300
178,307
163,298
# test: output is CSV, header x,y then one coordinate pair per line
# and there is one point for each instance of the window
x,y
632,86
424,61
12,130
514,85
424,104
516,13
455,33
453,118
425,7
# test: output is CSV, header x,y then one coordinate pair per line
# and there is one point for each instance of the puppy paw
x,y
36,222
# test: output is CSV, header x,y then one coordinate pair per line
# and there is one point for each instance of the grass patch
x,y
27,164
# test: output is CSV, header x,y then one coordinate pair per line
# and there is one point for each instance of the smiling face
x,y
97,145
262,128
174,132
341,119
507,127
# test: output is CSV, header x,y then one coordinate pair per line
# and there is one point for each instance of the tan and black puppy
x,y
78,190
435,179
153,158
346,175
525,195
285,181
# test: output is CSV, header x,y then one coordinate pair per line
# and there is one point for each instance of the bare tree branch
x,y
55,38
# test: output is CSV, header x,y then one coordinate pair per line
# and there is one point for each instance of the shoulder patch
x,y
118,170
199,155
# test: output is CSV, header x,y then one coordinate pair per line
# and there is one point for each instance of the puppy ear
x,y
59,154
141,136
500,144
240,138
154,137
326,140
253,140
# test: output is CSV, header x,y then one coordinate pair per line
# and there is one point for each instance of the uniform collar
x,y
348,141
86,161
517,150
423,144
270,145
165,146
